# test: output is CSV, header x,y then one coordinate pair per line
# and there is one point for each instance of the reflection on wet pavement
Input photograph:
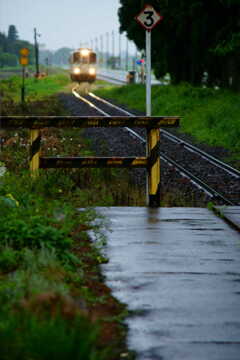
x,y
178,269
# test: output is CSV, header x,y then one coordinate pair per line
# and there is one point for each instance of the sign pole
x,y
149,18
24,52
148,73
153,183
23,86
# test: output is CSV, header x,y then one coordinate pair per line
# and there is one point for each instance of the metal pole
x,y
23,86
101,45
36,52
135,60
126,65
107,48
96,45
113,44
148,73
120,51
153,184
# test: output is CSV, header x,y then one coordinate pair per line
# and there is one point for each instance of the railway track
x,y
219,181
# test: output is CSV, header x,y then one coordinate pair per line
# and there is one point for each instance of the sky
x,y
61,23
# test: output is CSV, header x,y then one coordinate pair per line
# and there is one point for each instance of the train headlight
x,y
92,71
76,71
85,52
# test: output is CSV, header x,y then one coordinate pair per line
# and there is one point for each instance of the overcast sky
x,y
60,22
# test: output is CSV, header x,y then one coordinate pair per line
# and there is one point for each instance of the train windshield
x,y
79,58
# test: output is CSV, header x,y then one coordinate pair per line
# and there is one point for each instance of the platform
x,y
178,269
122,75
231,214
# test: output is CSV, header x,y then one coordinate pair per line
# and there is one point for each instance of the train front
x,y
83,66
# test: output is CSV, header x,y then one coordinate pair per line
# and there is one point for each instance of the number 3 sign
x,y
148,17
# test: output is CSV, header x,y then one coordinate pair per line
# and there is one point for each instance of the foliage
x,y
194,37
7,59
210,115
8,258
12,33
36,89
10,46
36,250
24,335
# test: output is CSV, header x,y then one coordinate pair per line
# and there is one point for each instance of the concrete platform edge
x,y
218,210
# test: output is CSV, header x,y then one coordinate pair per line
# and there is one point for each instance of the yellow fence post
x,y
35,142
153,168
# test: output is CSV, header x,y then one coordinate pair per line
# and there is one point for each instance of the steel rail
x,y
195,180
203,154
119,109
232,171
184,172
75,93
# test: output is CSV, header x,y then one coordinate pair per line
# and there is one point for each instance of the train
x,y
83,65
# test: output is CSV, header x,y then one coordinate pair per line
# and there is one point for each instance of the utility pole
x,y
96,45
36,52
107,47
136,56
120,51
126,65
113,49
101,47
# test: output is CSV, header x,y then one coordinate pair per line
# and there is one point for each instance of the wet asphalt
x,y
178,270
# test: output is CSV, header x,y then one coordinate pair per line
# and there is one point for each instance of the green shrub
x,y
8,259
33,234
25,336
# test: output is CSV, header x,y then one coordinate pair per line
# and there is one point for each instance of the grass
x,y
53,302
35,89
211,116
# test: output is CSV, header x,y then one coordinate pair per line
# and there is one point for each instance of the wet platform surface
x,y
178,269
231,214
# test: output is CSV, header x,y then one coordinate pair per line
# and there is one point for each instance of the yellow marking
x,y
34,162
140,122
154,172
93,122
140,161
89,162
114,162
115,122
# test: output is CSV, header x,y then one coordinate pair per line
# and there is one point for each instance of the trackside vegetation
x,y
211,116
35,89
54,303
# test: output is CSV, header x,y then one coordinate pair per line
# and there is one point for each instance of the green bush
x,y
25,336
33,234
8,259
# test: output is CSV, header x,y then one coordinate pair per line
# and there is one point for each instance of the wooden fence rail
x,y
151,162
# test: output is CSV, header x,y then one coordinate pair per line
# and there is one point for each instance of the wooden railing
x,y
151,161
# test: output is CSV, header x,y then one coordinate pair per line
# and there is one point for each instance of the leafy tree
x,y
10,46
195,36
12,33
3,42
7,59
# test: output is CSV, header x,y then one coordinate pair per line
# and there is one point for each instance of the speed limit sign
x,y
148,17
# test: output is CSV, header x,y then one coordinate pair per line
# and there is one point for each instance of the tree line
x,y
10,46
198,40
